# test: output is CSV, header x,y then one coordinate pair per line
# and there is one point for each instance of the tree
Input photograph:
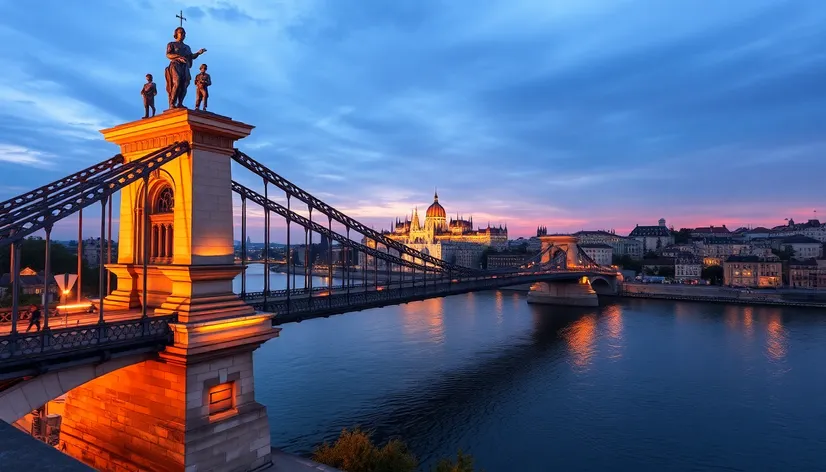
x,y
683,236
626,262
485,253
354,451
666,271
784,254
714,274
464,463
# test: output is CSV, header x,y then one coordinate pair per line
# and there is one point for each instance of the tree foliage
x,y
354,451
784,254
714,274
683,236
464,463
63,260
626,262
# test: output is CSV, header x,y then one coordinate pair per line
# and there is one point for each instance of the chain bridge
x,y
166,339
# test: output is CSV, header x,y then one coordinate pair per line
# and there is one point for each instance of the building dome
x,y
436,210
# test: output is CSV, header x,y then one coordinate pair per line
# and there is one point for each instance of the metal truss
x,y
47,190
313,202
253,196
29,218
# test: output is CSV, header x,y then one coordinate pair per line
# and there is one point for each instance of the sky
x,y
572,114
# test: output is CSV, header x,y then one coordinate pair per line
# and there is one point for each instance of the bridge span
x,y
157,367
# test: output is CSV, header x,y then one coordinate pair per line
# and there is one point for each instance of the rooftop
x,y
650,231
711,230
595,246
800,239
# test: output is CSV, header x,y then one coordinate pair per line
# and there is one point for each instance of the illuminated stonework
x,y
192,406
438,228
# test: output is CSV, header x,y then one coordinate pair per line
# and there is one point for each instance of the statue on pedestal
x,y
202,83
149,91
177,73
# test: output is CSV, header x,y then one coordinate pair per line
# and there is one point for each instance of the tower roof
x,y
436,210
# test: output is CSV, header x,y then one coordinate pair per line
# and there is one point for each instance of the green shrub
x,y
354,451
464,463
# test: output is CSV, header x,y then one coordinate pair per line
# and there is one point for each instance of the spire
x,y
435,194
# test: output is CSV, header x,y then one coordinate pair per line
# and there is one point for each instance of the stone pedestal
x,y
577,293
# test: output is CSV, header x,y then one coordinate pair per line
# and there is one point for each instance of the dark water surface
x,y
632,385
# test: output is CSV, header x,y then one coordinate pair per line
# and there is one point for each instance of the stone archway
x,y
22,398
603,286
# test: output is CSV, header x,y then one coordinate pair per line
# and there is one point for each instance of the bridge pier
x,y
166,415
192,407
565,293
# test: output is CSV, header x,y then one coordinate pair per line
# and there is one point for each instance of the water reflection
x,y
613,325
427,315
731,314
776,342
748,321
580,338
499,303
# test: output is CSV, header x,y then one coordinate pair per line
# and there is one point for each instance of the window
x,y
220,398
161,226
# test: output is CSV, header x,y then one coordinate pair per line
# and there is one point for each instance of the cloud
x,y
25,157
572,113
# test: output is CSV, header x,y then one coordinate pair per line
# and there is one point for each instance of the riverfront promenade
x,y
718,294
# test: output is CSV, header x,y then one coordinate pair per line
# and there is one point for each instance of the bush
x,y
464,463
354,451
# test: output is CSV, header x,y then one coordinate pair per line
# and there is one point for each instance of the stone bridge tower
x,y
191,407
565,243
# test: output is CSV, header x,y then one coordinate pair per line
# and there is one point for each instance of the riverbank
x,y
717,294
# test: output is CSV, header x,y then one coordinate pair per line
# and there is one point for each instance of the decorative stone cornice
x,y
202,130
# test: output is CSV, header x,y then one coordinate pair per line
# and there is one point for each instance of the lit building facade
x,y
621,245
452,240
438,228
602,254
653,238
752,271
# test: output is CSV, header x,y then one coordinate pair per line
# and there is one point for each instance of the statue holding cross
x,y
180,61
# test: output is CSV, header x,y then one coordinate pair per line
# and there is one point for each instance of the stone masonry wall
x,y
155,416
131,419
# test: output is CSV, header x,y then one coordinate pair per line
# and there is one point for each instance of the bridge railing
x,y
29,348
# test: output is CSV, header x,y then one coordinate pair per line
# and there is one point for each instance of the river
x,y
632,385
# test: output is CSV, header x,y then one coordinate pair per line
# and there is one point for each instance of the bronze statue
x,y
148,92
202,83
177,73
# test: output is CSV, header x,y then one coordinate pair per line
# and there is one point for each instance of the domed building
x,y
453,240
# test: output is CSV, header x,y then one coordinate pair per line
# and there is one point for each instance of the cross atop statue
x,y
181,17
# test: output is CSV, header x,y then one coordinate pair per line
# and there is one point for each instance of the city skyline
x,y
521,113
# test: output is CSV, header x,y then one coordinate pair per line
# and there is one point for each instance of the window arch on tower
x,y
161,225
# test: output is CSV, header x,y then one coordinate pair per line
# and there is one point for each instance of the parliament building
x,y
452,240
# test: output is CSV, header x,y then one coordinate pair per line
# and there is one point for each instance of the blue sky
x,y
568,113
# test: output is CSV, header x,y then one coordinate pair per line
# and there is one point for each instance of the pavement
x,y
284,462
21,452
